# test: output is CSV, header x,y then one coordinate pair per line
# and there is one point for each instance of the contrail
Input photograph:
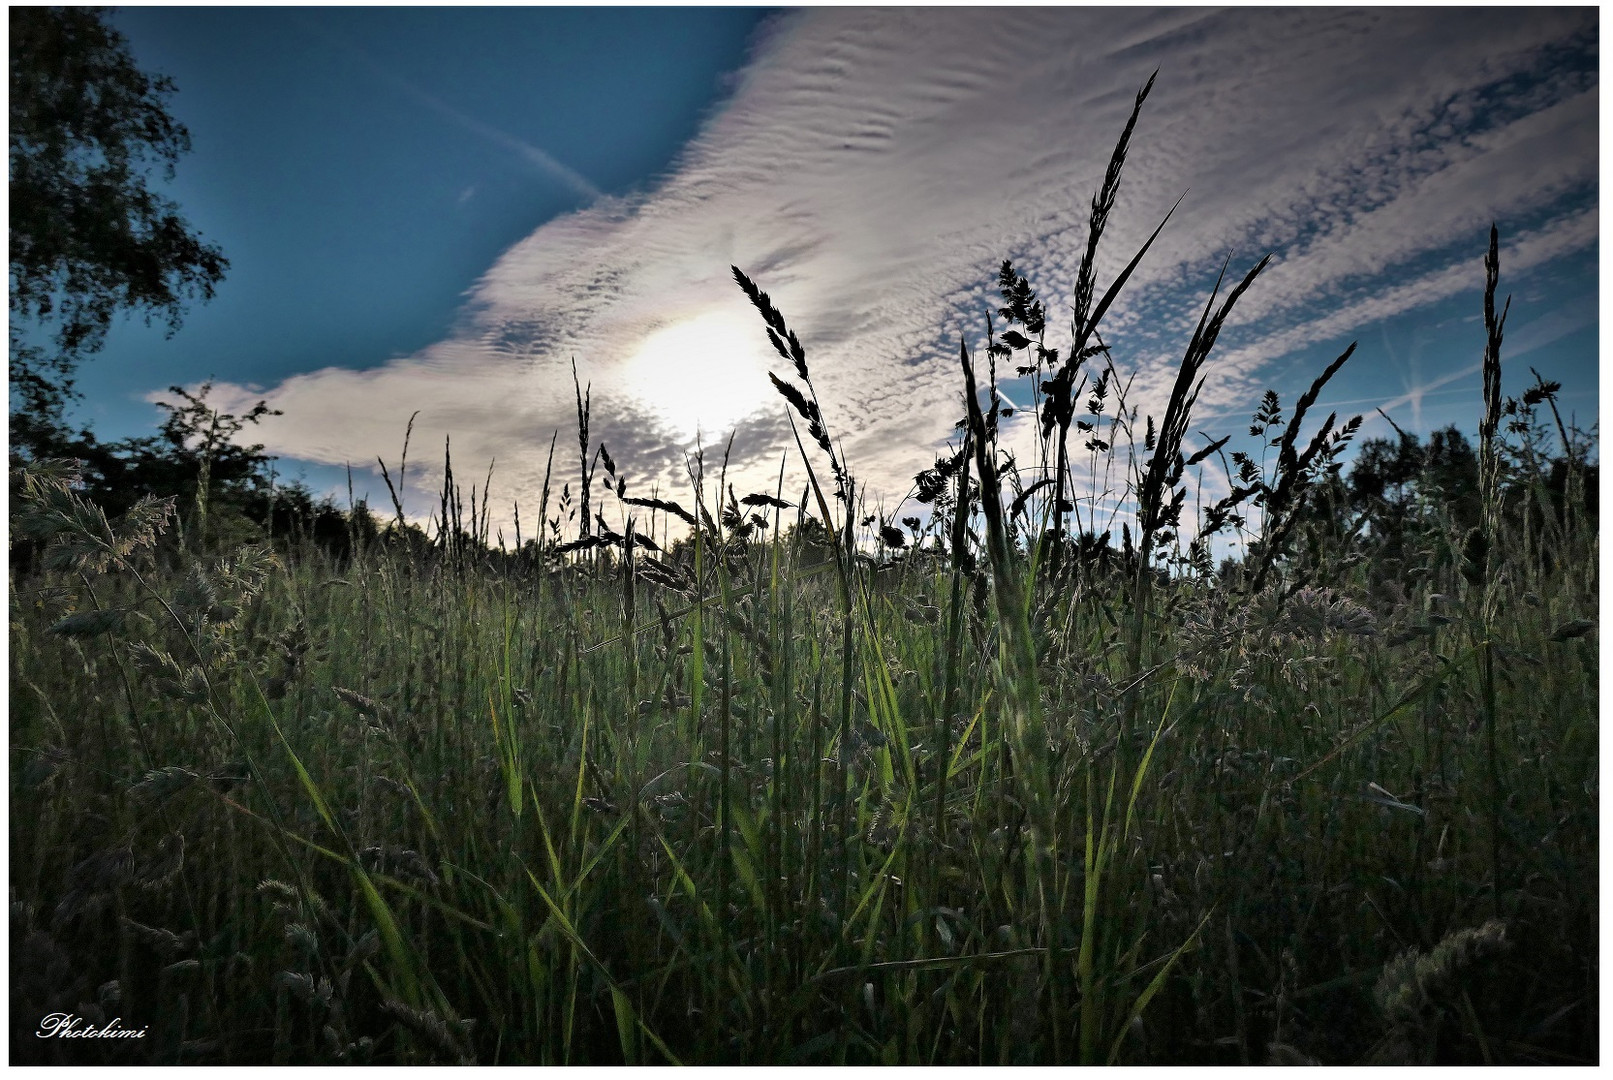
x,y
532,155
1415,395
525,150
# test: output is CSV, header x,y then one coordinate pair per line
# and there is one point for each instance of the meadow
x,y
759,777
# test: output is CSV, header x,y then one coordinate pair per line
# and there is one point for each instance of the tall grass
x,y
995,793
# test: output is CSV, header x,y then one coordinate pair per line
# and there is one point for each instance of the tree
x,y
89,238
225,490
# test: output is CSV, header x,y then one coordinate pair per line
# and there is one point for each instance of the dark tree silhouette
x,y
89,238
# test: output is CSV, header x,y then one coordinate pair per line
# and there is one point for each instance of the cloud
x,y
873,167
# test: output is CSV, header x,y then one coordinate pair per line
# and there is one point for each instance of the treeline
x,y
1411,504
225,492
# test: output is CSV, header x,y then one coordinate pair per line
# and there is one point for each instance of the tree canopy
x,y
89,236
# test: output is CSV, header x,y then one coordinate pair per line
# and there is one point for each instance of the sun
x,y
703,374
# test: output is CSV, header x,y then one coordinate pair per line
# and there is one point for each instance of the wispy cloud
x,y
874,166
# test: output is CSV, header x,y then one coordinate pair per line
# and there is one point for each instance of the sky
x,y
440,211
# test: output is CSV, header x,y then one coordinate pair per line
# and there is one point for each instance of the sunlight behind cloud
x,y
873,190
706,373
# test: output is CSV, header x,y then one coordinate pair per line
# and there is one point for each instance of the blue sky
x,y
438,209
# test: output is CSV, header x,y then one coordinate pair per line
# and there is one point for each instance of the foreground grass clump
x,y
990,790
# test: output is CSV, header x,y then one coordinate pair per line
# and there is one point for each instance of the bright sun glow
x,y
704,373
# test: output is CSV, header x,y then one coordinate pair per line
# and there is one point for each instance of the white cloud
x,y
874,166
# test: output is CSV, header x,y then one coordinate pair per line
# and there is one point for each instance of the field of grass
x,y
974,794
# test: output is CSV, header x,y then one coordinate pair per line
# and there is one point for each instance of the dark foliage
x,y
89,237
1404,495
225,491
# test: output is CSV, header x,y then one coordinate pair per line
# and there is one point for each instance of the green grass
x,y
568,857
